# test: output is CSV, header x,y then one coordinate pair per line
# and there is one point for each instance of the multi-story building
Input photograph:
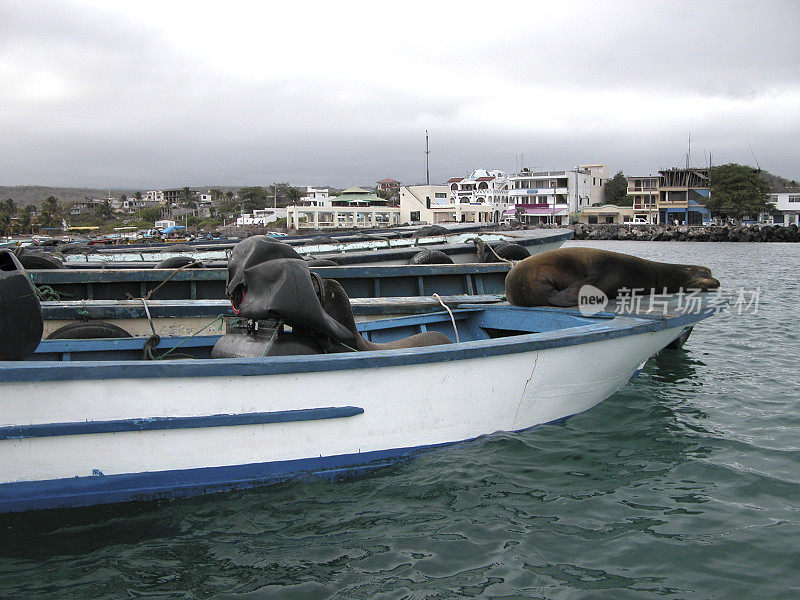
x,y
787,207
355,207
316,197
390,187
554,196
154,196
435,204
176,196
682,193
132,205
644,191
481,187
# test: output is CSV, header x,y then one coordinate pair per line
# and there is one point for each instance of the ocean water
x,y
686,484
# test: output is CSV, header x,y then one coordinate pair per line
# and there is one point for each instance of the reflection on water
x,y
673,366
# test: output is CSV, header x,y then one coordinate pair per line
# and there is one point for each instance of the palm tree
x,y
10,206
51,205
188,196
25,220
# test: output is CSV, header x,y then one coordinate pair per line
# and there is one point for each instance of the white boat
x,y
86,422
460,247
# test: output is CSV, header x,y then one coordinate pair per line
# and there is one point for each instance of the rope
x,y
482,246
45,293
83,312
148,349
171,275
149,318
450,312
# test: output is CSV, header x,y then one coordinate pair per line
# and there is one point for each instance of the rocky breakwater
x,y
683,233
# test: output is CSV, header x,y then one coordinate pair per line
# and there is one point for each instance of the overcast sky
x,y
147,94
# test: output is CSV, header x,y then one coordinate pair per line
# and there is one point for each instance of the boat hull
x,y
460,247
159,431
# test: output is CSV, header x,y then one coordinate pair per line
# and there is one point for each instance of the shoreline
x,y
684,233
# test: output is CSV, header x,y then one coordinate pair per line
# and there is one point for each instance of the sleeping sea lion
x,y
555,277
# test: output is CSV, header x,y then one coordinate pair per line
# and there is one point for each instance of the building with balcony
x,y
554,196
481,187
389,187
154,196
786,208
682,193
315,197
644,191
354,208
430,204
133,205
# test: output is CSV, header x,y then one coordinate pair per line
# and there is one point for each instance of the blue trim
x,y
153,423
105,489
603,329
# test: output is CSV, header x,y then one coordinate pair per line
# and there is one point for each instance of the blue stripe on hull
x,y
152,423
107,489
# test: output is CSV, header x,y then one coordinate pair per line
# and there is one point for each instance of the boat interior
x,y
466,324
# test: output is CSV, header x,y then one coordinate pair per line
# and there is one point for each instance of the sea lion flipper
x,y
566,297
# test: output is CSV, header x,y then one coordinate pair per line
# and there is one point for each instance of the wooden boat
x,y
87,422
377,250
185,317
209,284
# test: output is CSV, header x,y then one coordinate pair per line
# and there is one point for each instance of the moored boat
x,y
209,284
89,421
376,250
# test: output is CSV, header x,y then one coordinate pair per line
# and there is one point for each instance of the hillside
x,y
777,182
36,194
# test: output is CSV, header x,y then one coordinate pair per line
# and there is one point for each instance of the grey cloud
x,y
145,116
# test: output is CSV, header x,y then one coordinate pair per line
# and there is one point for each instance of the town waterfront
x,y
686,484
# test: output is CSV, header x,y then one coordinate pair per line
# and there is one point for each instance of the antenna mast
x,y
427,163
758,166
689,151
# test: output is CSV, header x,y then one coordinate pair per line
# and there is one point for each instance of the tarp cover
x,y
278,285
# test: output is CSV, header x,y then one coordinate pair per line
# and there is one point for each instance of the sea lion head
x,y
699,277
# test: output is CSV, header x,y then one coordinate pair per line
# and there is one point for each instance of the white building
x,y
481,187
132,205
433,204
262,217
154,196
316,197
554,196
164,224
354,208
787,208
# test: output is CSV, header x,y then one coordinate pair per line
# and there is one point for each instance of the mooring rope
x,y
481,250
450,312
171,275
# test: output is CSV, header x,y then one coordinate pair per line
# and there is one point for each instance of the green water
x,y
686,484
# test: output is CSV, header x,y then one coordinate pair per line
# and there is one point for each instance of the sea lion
x,y
430,257
555,277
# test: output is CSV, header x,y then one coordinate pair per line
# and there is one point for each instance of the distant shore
x,y
682,233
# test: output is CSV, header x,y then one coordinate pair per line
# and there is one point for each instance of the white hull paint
x,y
467,255
404,406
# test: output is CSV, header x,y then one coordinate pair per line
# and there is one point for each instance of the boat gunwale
x,y
48,276
604,329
